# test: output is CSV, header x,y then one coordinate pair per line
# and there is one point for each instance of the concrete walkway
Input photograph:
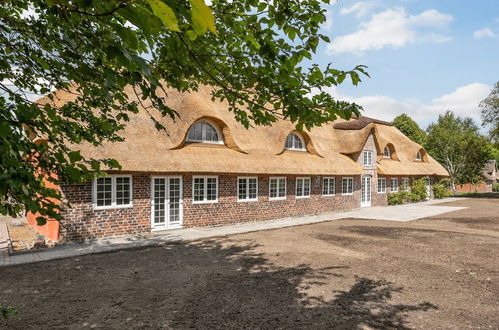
x,y
405,212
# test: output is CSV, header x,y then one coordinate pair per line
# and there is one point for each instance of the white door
x,y
166,202
366,191
428,188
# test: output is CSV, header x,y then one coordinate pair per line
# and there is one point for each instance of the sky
x,y
424,57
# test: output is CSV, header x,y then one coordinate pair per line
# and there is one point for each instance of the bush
x,y
495,187
418,189
400,197
414,197
440,190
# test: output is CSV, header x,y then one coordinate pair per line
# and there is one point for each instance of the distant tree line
x,y
456,142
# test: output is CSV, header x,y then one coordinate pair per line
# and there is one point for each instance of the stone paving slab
x,y
406,212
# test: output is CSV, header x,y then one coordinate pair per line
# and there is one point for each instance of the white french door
x,y
366,191
166,202
428,187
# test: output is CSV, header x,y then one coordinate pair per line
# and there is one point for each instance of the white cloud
x,y
395,28
463,101
360,8
328,24
483,33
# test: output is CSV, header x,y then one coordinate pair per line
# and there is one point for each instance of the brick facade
x,y
81,222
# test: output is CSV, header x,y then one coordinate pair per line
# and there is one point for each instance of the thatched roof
x,y
359,123
258,150
490,171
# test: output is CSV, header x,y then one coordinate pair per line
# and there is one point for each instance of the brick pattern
x,y
81,222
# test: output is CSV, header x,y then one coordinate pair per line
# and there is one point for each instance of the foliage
x,y
490,112
252,51
495,187
418,188
8,312
410,128
400,197
440,190
457,144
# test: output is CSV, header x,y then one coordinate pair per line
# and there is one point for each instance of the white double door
x,y
365,199
166,201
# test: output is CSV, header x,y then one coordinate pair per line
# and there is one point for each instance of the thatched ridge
x,y
258,150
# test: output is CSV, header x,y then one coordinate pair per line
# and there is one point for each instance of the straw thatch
x,y
258,150
490,171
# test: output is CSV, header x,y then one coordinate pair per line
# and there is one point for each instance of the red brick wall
x,y
81,222
480,187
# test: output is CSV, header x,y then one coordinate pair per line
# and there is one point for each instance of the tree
x,y
252,51
410,128
457,144
490,112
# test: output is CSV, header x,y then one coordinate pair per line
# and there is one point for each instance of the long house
x,y
206,169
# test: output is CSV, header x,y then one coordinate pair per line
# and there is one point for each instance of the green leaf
x,y
192,35
165,13
74,156
202,17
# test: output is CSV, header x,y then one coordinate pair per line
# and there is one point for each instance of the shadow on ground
x,y
204,285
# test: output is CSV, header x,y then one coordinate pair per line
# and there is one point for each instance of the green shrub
x,y
440,190
400,197
418,189
413,197
495,187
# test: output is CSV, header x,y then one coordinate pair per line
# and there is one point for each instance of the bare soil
x,y
434,273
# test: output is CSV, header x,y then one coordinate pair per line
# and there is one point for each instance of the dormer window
x,y
204,132
387,153
294,142
419,156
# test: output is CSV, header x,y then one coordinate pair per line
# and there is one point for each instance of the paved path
x,y
405,212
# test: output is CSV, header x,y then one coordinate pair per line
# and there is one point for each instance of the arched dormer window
x,y
205,132
387,153
419,156
294,142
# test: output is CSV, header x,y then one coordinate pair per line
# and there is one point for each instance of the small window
x,y
387,153
381,185
205,189
394,185
247,189
302,187
405,184
328,186
347,186
294,142
419,157
277,188
112,192
368,158
204,132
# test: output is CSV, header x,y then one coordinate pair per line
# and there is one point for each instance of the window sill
x,y
247,200
277,199
205,202
111,207
347,194
301,197
328,195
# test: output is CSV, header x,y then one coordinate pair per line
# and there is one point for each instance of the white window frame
x,y
334,185
203,132
205,189
113,193
309,186
285,187
387,154
343,183
369,155
293,147
419,156
396,186
247,178
402,188
383,185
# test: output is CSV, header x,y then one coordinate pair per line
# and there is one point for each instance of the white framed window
x,y
405,184
302,187
277,188
394,187
294,142
328,186
204,189
368,158
387,153
205,132
247,189
419,156
381,185
113,191
347,186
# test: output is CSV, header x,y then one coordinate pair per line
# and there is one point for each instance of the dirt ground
x,y
435,273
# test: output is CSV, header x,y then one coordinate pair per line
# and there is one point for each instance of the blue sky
x,y
424,57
